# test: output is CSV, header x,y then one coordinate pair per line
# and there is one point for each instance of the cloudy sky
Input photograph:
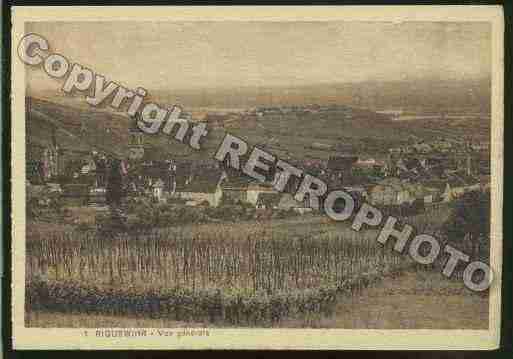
x,y
189,55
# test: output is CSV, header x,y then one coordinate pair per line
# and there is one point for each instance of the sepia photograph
x,y
279,178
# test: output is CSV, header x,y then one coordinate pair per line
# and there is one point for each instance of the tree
x,y
470,220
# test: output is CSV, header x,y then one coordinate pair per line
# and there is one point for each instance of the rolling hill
x,y
292,135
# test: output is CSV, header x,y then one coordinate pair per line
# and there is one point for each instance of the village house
x,y
368,163
288,202
60,158
268,200
480,146
448,195
158,190
395,150
456,187
451,188
441,145
135,143
462,183
340,168
216,120
235,189
409,165
203,188
393,191
49,147
57,151
422,148
390,191
97,196
255,189
242,189
408,149
88,165
42,146
388,170
422,193
428,163
436,189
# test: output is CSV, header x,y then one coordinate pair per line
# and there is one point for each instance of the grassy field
x,y
416,300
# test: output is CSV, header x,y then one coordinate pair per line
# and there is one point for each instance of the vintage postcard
x,y
257,177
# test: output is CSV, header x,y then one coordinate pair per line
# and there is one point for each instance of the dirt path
x,y
422,300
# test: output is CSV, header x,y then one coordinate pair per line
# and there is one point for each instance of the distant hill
x,y
424,95
292,135
86,128
83,128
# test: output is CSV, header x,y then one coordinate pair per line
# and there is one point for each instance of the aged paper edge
x,y
223,338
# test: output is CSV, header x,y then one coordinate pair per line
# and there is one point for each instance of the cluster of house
x,y
209,184
398,182
213,187
392,182
408,174
428,179
223,119
395,180
343,110
403,177
442,146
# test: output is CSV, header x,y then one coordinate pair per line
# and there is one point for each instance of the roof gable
x,y
269,199
206,182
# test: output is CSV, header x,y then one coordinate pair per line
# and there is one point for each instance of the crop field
x,y
233,274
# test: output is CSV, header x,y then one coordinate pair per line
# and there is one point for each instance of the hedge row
x,y
229,306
